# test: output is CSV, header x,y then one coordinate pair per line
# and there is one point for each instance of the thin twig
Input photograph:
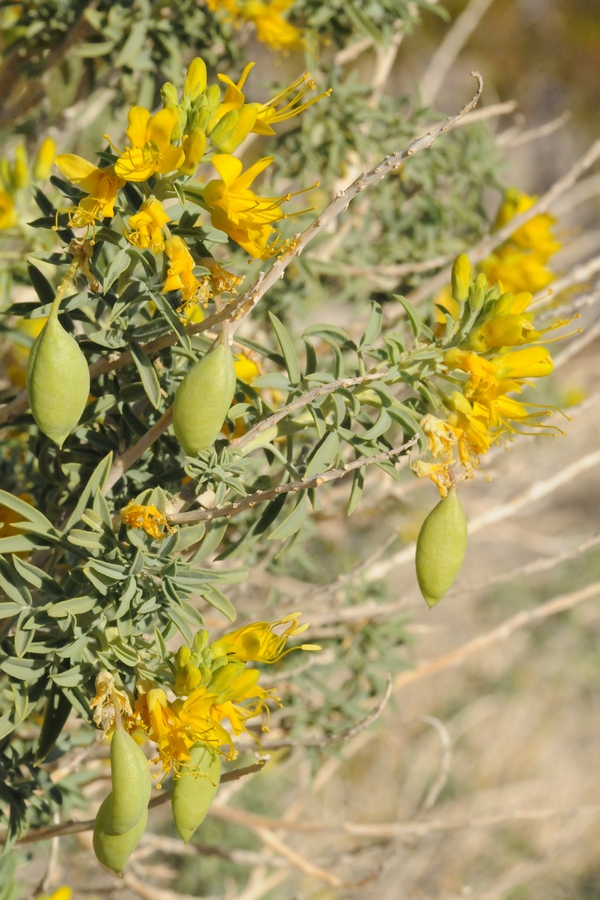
x,y
304,400
482,249
446,760
342,736
502,632
510,140
578,275
293,857
447,52
397,829
386,57
202,515
531,568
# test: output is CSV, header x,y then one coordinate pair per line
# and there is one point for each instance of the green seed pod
x,y
202,400
195,788
441,548
131,782
58,380
114,850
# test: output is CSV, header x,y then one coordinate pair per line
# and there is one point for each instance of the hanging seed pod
x,y
131,783
202,400
58,380
441,548
195,788
114,850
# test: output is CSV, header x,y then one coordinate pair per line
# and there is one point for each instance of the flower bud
x,y
168,93
195,79
477,293
461,278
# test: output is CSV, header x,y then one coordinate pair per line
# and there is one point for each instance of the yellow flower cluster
x,y
204,125
489,325
15,176
271,27
521,262
212,689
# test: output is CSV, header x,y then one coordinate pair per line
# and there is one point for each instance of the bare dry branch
x,y
502,632
444,770
510,140
202,515
447,52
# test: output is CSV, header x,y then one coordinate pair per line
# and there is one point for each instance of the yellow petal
x,y
228,167
138,119
75,168
170,158
245,180
135,165
160,127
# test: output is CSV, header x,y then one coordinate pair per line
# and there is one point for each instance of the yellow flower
x,y
44,160
151,151
238,211
61,893
101,185
246,369
149,518
517,271
8,215
180,274
259,643
147,224
175,727
536,235
271,27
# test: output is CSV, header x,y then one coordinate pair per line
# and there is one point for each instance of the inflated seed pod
x,y
195,788
58,380
202,400
441,548
114,850
131,783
